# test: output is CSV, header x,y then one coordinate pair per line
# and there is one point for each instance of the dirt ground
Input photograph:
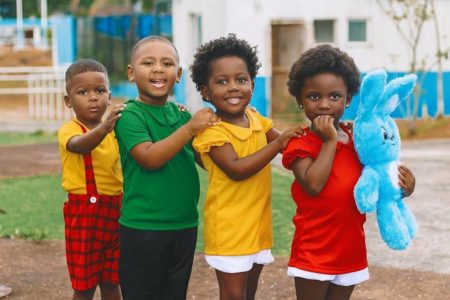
x,y
38,270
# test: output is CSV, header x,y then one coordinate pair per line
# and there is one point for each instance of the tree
x,y
409,17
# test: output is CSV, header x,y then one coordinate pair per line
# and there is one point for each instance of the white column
x,y
44,22
19,25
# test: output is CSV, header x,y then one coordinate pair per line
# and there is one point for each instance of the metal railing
x,y
44,87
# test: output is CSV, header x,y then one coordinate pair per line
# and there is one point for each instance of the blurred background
x,y
40,38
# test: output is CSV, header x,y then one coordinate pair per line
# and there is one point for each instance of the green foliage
x,y
36,235
20,138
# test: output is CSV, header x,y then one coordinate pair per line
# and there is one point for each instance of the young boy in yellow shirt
x,y
92,177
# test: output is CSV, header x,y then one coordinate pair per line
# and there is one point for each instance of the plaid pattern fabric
x,y
92,234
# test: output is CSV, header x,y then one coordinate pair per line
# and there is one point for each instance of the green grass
x,y
33,209
19,138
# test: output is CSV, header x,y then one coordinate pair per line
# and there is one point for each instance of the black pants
x,y
156,264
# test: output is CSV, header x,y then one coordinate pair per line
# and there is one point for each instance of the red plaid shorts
x,y
92,239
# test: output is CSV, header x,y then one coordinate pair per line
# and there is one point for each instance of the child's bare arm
x,y
313,174
407,180
226,158
85,143
155,155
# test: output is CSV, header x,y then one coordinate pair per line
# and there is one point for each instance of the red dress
x,y
329,235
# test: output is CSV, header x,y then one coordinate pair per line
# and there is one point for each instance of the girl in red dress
x,y
328,255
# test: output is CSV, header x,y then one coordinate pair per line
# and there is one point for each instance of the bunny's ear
x,y
372,88
396,90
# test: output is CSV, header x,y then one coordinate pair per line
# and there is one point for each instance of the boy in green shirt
x,y
159,215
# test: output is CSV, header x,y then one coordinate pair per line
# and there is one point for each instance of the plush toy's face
x,y
377,140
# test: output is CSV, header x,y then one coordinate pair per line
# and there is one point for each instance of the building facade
x,y
283,29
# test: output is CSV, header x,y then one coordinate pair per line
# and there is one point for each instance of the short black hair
x,y
82,66
323,59
152,38
218,48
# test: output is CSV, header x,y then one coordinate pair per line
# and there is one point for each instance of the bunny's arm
x,y
366,190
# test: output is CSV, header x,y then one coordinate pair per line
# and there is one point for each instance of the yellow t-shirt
x,y
105,159
238,214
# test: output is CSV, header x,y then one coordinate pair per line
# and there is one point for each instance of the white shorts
x,y
239,263
346,279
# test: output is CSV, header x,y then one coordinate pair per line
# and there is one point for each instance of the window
x,y
357,30
324,31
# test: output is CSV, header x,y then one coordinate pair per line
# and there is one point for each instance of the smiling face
x,y
89,96
229,87
154,68
324,94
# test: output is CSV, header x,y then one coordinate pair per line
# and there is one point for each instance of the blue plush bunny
x,y
377,143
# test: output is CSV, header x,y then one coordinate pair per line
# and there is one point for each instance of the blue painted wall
x,y
64,31
427,97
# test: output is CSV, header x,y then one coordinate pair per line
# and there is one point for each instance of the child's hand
x,y
323,126
407,180
348,125
182,107
113,116
202,119
287,134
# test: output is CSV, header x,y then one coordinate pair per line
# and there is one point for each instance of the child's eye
x,y
221,81
101,91
82,92
147,63
168,64
335,97
242,80
313,97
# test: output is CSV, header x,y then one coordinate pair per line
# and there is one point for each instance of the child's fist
x,y
202,119
287,134
113,116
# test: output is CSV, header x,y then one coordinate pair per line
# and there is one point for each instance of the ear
x,y
372,88
130,73
299,101
348,101
396,90
179,73
67,101
204,93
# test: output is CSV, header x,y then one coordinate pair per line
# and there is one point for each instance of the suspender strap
x,y
91,187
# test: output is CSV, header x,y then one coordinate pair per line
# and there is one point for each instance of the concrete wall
x,y
251,20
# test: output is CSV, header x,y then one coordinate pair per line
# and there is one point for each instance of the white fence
x,y
44,87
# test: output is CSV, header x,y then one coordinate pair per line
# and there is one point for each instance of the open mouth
x,y
233,100
158,83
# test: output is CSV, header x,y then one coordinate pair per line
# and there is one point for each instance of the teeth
x,y
158,83
233,100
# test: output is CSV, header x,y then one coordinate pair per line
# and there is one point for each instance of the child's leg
x,y
84,295
110,291
308,289
181,257
339,292
232,285
252,281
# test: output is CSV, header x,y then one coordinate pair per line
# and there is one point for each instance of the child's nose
x,y
233,86
157,68
93,96
324,103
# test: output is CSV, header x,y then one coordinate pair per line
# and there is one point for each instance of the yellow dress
x,y
237,214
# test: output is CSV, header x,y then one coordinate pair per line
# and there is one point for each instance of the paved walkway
x,y
29,126
430,251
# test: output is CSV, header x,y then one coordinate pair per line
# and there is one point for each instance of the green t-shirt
x,y
165,198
